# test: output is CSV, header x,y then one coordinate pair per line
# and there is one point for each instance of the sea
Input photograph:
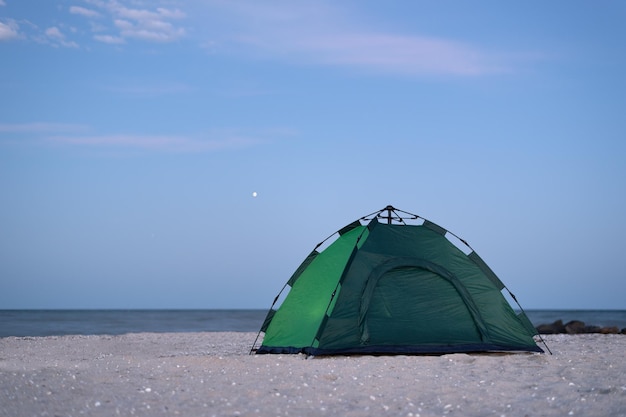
x,y
35,323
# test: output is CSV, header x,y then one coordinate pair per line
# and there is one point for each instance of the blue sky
x,y
133,134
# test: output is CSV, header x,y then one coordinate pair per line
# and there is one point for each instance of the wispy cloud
x,y
381,52
110,39
152,25
297,33
56,38
163,143
84,11
41,127
9,29
75,135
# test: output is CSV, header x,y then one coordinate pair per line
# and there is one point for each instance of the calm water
x,y
88,322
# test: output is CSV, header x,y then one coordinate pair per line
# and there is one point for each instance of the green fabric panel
x,y
321,327
505,326
387,242
363,238
485,268
527,323
390,320
435,227
298,319
268,319
349,227
443,287
334,300
302,267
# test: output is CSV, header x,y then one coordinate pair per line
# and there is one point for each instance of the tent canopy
x,y
387,286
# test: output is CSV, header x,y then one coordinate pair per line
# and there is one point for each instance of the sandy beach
x,y
211,374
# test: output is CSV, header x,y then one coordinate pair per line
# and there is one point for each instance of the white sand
x,y
211,374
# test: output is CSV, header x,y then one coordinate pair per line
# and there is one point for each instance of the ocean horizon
x,y
44,322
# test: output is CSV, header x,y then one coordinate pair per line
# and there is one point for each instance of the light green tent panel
x,y
310,296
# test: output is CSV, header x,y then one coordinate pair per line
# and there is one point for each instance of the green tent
x,y
388,286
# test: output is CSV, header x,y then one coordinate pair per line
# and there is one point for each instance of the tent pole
x,y
389,210
523,312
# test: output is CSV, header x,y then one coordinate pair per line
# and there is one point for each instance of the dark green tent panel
x,y
385,287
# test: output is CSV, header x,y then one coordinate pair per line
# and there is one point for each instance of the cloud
x,y
54,32
396,53
149,30
41,127
113,40
2,3
171,14
110,21
158,142
8,30
77,135
83,11
332,36
55,37
380,52
133,23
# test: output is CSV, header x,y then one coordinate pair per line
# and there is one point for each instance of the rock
x,y
575,327
609,330
556,327
592,329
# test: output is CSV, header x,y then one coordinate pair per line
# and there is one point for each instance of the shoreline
x,y
116,322
207,374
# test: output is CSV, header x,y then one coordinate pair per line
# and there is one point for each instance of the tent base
x,y
399,350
